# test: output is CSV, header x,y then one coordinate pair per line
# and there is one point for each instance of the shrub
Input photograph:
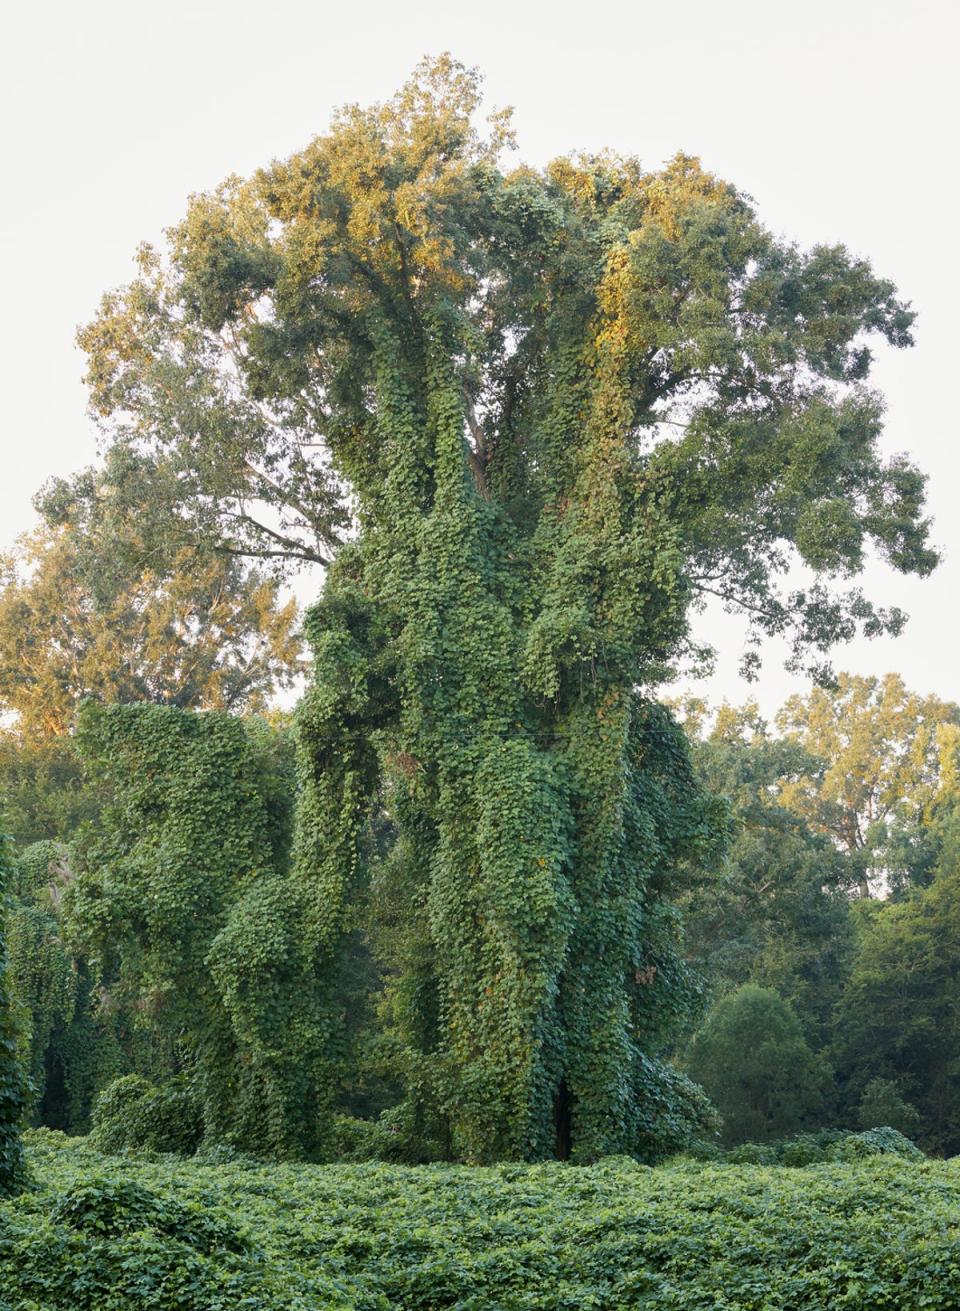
x,y
824,1147
882,1141
110,1207
878,1232
393,1136
132,1114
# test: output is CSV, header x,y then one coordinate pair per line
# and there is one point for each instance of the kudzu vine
x,y
186,910
560,409
13,1082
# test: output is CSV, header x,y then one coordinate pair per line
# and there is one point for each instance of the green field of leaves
x,y
102,1233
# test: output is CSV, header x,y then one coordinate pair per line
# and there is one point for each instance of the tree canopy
x,y
92,606
879,755
638,329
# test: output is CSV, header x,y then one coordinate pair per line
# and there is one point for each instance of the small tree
x,y
882,1106
753,1060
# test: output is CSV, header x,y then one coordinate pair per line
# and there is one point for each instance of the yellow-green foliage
x,y
118,1234
105,601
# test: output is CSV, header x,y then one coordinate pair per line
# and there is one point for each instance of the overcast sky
x,y
839,118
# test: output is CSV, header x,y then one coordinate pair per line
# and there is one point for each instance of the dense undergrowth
x,y
101,1233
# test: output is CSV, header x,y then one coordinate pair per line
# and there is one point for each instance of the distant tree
x,y
90,607
47,793
899,1017
755,1064
881,747
13,1083
777,912
882,1105
915,852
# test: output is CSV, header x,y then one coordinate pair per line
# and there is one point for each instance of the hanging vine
x,y
13,1083
561,408
185,906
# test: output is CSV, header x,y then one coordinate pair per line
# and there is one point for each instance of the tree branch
x,y
295,550
477,454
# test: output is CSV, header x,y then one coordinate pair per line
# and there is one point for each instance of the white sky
x,y
839,118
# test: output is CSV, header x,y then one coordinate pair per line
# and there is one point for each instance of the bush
x,y
882,1141
824,1147
109,1208
393,1137
132,1114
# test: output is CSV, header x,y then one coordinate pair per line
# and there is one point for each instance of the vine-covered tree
x,y
69,1045
13,1083
43,976
182,907
534,417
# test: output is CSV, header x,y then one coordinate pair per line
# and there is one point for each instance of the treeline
x,y
167,964
828,940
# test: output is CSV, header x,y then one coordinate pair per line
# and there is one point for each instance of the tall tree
x,y
97,604
881,748
563,406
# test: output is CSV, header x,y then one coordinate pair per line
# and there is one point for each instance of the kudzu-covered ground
x,y
104,1233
